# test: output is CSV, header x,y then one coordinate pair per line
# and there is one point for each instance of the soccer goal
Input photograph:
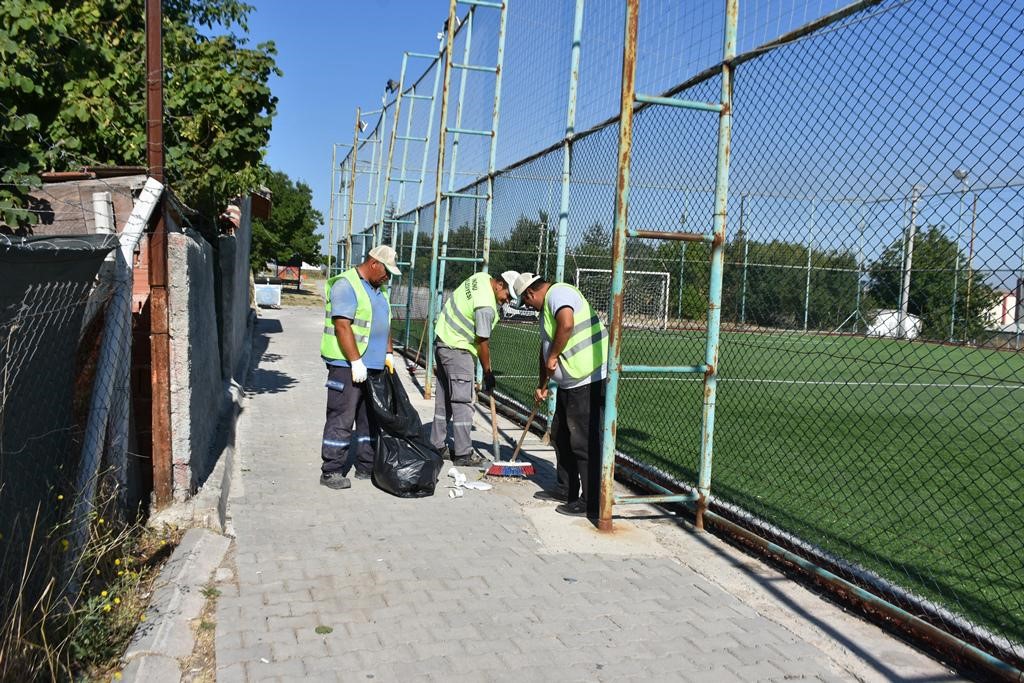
x,y
644,301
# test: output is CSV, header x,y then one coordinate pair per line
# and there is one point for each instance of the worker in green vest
x,y
463,334
574,354
356,343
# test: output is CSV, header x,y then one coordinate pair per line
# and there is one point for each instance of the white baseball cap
x,y
509,276
387,256
522,282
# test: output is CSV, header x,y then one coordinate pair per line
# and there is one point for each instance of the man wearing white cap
x,y
356,342
574,353
463,334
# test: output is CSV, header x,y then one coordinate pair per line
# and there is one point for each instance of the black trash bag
x,y
404,464
391,406
406,467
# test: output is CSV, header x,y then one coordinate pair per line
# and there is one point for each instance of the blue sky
x,y
335,56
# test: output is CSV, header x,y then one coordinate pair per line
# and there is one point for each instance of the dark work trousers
x,y
576,433
347,404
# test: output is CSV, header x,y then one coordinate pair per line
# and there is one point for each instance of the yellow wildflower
x,y
106,608
103,594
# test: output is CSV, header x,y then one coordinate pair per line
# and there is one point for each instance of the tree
x,y
527,240
932,277
291,229
72,93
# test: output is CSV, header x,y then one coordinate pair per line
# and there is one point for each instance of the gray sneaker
x,y
445,452
334,480
471,460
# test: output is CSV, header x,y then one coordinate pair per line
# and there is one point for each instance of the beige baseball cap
x,y
522,282
387,256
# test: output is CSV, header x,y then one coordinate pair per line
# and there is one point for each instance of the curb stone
x,y
167,636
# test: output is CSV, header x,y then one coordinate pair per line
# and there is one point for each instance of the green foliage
x,y
72,93
291,229
934,272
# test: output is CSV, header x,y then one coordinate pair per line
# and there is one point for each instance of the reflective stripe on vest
x,y
361,323
455,325
587,348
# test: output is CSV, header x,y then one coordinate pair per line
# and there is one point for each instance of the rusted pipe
x,y
159,331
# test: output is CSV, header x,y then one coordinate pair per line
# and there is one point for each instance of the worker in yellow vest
x,y
356,343
573,353
463,334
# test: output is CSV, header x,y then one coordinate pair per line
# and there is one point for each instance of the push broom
x,y
511,468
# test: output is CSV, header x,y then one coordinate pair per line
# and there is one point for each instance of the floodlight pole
x,y
1018,316
860,268
810,250
908,263
970,264
682,254
961,175
746,251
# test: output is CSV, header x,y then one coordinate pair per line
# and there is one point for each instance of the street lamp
x,y
960,174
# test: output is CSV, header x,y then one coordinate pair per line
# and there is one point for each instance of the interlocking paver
x,y
442,589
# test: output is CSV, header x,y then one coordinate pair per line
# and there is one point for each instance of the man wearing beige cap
x,y
356,343
463,333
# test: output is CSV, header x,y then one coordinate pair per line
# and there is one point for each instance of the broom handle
x,y
526,429
420,348
494,430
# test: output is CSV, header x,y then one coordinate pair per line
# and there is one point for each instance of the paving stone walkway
x,y
357,585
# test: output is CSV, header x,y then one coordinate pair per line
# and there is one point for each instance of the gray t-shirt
x,y
560,297
484,319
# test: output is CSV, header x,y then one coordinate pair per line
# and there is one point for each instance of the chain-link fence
x,y
62,356
871,379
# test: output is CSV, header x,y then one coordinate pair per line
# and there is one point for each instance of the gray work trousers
x,y
453,398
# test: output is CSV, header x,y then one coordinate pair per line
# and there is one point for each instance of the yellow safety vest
x,y
587,348
329,347
455,326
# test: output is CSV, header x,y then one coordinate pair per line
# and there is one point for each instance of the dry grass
x,y
79,623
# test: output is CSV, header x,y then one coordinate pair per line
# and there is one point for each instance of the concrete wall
x,y
197,390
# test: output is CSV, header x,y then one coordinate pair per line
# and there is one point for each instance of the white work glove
x,y
389,362
358,371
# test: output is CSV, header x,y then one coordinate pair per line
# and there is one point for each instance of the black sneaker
x,y
577,508
334,480
363,474
558,495
471,460
445,452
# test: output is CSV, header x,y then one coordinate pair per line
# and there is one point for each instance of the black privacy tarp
x,y
404,464
47,287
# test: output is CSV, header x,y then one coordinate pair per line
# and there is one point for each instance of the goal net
x,y
645,296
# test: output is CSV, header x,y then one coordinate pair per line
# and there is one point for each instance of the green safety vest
x,y
455,326
587,348
329,347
